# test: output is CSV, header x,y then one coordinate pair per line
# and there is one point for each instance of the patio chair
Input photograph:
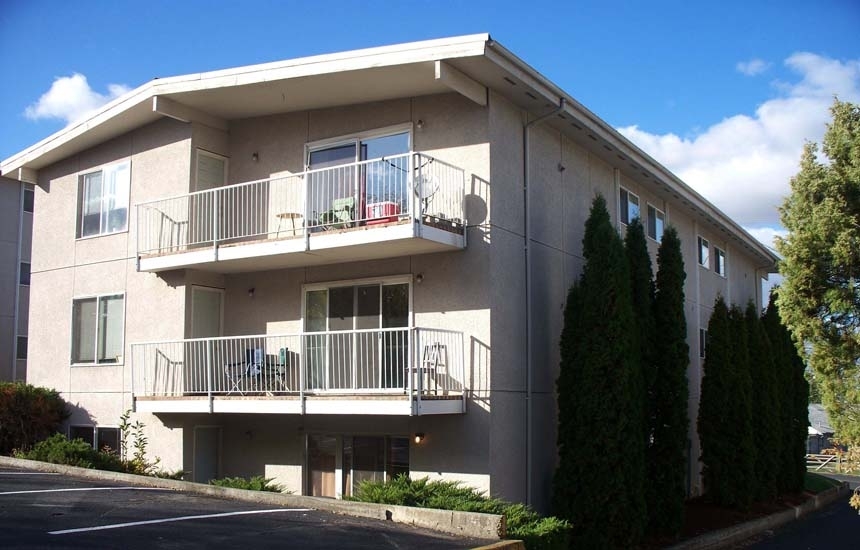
x,y
341,215
237,373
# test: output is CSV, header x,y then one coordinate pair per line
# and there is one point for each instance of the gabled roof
x,y
469,64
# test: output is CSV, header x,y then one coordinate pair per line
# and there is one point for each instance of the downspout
x,y
527,257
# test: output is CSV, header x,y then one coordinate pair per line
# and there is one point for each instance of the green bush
x,y
58,449
28,414
256,483
522,522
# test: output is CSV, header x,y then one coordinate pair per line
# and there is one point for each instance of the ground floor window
x,y
338,463
99,437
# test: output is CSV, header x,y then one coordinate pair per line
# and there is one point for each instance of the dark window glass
x,y
398,456
21,348
108,438
29,200
24,274
82,432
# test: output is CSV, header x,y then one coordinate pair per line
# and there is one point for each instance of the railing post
x,y
209,375
215,222
462,372
302,366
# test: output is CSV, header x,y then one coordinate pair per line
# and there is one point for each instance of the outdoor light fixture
x,y
251,292
420,124
255,157
419,437
419,278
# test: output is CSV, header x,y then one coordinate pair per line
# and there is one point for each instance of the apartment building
x,y
343,267
16,226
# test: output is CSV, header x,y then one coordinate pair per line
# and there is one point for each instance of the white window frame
x,y
216,156
95,439
29,189
356,138
719,261
79,232
704,260
657,215
96,362
393,280
624,213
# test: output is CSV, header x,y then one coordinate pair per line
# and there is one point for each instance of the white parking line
x,y
169,520
29,473
84,489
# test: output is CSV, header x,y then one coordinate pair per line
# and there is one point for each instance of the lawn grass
x,y
816,483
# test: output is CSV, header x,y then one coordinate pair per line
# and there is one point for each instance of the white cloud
x,y
767,235
752,67
743,164
71,99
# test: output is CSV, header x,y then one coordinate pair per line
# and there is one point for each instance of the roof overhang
x,y
469,65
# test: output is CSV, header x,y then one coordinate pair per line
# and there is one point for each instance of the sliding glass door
x,y
364,345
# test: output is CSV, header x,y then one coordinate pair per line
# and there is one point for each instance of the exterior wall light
x,y
419,278
419,437
255,156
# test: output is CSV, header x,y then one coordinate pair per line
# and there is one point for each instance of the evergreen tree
x,y
642,297
667,461
793,391
820,297
765,407
740,413
716,434
601,493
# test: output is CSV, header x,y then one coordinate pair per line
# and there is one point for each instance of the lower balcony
x,y
395,371
380,208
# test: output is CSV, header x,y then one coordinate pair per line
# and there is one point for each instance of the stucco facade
x,y
470,281
16,228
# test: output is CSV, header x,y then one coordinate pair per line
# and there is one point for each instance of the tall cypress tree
x,y
793,403
715,433
600,492
764,406
742,479
667,453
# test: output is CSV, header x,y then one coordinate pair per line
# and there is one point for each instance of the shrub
x,y
58,449
255,483
28,414
522,522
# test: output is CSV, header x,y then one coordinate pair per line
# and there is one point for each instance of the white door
x,y
206,312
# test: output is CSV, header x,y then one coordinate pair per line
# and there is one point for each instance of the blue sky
x,y
723,93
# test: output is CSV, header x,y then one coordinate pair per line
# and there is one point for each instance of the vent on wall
x,y
531,95
509,81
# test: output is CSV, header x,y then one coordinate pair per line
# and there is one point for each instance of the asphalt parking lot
x,y
45,510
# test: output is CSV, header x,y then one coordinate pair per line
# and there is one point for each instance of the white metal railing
x,y
420,362
411,186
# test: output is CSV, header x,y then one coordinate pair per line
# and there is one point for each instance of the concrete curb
x,y
730,535
504,545
463,524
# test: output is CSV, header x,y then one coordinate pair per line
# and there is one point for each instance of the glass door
x,y
322,462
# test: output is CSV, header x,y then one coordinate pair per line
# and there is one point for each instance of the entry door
x,y
322,463
207,453
210,173
206,312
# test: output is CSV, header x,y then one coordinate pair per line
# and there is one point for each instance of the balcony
x,y
388,207
395,371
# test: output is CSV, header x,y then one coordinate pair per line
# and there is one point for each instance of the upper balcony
x,y
381,208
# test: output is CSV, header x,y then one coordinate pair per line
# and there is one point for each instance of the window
x,y
24,273
97,329
21,348
98,438
719,262
703,342
629,204
104,201
29,199
704,253
363,458
656,220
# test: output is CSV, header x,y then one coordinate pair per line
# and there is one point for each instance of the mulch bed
x,y
702,517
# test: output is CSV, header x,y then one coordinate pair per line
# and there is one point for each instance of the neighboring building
x,y
819,429
16,226
315,269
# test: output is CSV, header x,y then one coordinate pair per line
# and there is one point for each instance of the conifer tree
x,y
601,493
764,407
715,432
744,484
667,461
